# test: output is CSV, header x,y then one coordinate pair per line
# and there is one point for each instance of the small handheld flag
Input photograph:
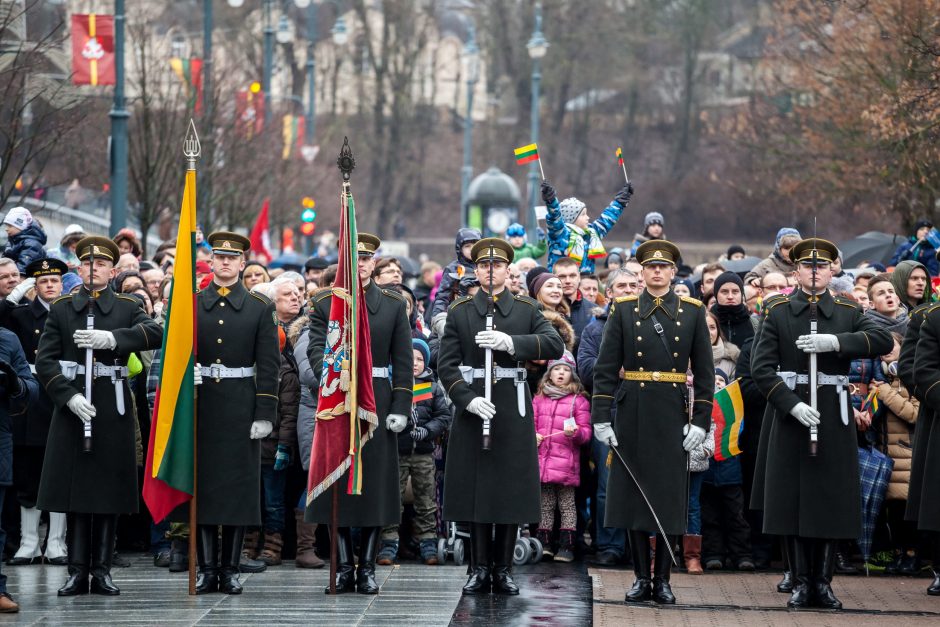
x,y
527,154
620,161
728,416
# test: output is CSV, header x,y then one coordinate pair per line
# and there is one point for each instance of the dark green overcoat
x,y
237,330
380,502
927,380
103,481
651,415
925,415
815,497
500,485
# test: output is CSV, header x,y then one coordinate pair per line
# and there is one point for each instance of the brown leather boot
x,y
271,554
306,543
692,553
250,548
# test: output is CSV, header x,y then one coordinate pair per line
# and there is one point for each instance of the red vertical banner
x,y
92,49
249,112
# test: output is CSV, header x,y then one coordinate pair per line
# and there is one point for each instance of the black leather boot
x,y
103,528
642,590
662,566
824,565
799,554
345,570
786,584
504,546
368,548
207,557
934,588
231,551
481,539
78,539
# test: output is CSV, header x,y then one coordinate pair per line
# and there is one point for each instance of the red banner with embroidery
x,y
92,49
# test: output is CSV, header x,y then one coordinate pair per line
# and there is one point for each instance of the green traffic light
x,y
308,215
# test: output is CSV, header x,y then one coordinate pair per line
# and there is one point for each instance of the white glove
x,y
694,436
605,433
20,290
92,338
261,429
805,414
496,340
438,322
395,423
819,343
197,374
481,407
81,408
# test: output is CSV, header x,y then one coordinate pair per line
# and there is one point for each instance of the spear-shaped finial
x,y
346,163
191,147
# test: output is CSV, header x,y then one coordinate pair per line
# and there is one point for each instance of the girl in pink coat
x,y
562,426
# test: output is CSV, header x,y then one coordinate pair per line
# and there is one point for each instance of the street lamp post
x,y
537,47
118,115
310,127
204,190
268,60
472,55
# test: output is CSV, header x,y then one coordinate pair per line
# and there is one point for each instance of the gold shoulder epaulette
x,y
522,298
63,297
393,294
691,301
775,300
847,303
126,297
626,299
321,293
460,301
264,299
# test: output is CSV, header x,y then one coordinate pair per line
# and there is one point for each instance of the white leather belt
x,y
218,371
519,377
839,381
381,373
71,370
32,368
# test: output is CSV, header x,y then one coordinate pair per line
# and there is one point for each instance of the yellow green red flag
x,y
526,154
169,476
728,416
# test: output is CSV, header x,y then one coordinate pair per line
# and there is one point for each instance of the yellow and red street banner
x,y
526,154
169,479
293,133
92,49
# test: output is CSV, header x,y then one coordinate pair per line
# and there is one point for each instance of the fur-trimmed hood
x,y
562,326
297,327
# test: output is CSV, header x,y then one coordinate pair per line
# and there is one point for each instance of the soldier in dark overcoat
x,y
923,504
498,486
813,500
92,486
31,428
237,375
392,381
649,343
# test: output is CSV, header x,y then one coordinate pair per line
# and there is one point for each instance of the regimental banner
x,y
92,49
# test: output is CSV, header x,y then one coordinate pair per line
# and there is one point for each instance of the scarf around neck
x,y
576,243
554,392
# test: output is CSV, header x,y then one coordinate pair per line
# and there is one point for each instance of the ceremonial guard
x,y
650,341
392,380
492,473
31,428
809,476
90,466
923,505
236,406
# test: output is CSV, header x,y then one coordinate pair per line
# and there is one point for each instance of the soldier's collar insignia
x,y
224,291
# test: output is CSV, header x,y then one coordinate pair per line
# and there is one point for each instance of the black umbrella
x,y
741,266
873,247
409,267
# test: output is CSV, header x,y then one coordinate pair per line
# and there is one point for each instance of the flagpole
x,y
622,164
191,151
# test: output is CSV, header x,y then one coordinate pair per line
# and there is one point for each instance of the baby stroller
x,y
528,550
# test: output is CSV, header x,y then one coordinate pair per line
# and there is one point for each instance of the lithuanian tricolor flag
x,y
422,392
619,156
526,154
189,71
169,477
728,416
